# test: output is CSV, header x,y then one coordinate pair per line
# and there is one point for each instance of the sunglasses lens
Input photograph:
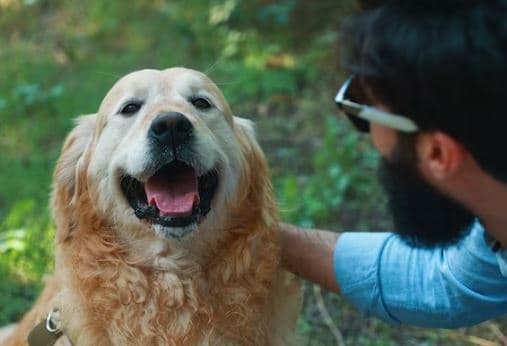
x,y
360,124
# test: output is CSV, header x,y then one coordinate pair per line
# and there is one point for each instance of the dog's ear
x,y
256,188
250,148
65,178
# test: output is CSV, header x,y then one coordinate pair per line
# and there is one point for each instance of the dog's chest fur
x,y
176,300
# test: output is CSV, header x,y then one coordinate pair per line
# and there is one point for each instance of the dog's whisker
x,y
212,67
108,74
228,83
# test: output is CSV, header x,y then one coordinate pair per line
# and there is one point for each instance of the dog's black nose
x,y
171,129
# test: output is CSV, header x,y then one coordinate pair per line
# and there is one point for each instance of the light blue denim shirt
x,y
446,288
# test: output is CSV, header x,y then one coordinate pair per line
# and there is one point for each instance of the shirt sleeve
x,y
443,287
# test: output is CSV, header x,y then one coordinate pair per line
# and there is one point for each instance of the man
x,y
429,83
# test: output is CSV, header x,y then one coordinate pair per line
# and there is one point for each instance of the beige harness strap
x,y
45,333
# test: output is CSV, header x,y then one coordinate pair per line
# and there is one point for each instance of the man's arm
x,y
308,253
384,277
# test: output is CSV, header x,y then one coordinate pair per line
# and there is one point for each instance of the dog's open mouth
x,y
173,197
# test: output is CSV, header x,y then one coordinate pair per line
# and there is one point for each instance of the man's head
x,y
442,64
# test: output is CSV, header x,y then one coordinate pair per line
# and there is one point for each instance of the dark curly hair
x,y
442,63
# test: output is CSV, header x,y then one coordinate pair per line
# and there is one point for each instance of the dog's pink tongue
x,y
174,193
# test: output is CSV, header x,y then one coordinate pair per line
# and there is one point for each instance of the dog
x,y
166,224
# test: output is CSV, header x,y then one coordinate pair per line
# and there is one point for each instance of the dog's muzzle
x,y
174,195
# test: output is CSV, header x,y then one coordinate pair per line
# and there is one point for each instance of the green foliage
x,y
340,173
26,238
26,140
276,63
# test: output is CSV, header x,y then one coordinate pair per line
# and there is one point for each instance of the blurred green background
x,y
276,62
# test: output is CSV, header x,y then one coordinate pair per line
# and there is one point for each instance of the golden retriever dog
x,y
166,224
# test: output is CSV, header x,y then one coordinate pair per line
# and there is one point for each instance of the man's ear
x,y
67,171
440,156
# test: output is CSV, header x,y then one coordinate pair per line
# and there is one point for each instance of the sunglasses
x,y
361,115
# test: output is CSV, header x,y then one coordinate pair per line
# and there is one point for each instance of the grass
x,y
274,65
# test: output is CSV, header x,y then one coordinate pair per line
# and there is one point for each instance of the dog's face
x,y
164,154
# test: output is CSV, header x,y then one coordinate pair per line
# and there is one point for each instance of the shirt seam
x,y
379,281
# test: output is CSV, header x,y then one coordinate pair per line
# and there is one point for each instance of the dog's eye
x,y
131,108
200,103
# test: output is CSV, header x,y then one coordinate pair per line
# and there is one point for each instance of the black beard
x,y
422,216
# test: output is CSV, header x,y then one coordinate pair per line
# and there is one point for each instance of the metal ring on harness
x,y
50,325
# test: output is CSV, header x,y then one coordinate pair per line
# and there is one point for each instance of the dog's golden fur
x,y
119,282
